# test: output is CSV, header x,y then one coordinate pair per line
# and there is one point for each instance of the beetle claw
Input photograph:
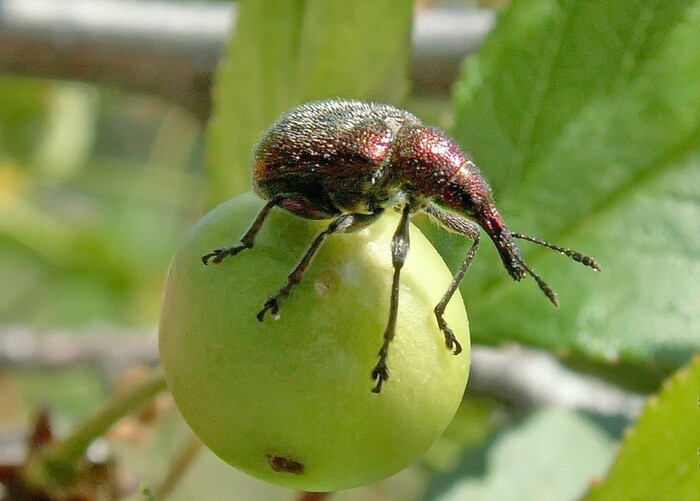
x,y
380,373
451,341
450,338
272,305
454,345
218,255
213,256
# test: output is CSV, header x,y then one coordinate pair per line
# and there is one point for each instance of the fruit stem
x,y
314,496
59,460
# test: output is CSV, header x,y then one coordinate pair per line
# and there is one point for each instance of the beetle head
x,y
469,194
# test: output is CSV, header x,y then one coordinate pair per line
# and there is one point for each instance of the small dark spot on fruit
x,y
326,283
284,464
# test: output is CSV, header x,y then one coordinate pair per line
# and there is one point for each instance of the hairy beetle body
x,y
348,161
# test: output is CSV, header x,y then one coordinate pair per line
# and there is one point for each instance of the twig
x,y
163,48
314,496
70,450
179,465
528,378
171,49
112,349
58,463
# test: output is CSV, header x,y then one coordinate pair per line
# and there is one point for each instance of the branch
x,y
160,48
523,377
72,448
111,349
172,49
528,378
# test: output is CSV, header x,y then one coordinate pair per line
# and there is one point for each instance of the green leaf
x,y
23,116
585,116
553,454
285,53
661,455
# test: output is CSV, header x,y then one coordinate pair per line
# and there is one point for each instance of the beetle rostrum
x,y
348,161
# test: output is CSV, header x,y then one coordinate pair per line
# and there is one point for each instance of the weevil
x,y
348,161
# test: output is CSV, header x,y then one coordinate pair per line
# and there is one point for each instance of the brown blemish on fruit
x,y
326,283
285,464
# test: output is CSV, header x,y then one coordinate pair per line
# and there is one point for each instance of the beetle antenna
x,y
575,255
551,295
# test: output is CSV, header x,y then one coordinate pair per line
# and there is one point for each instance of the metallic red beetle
x,y
348,161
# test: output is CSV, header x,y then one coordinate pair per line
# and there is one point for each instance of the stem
x,y
68,452
98,42
314,496
179,465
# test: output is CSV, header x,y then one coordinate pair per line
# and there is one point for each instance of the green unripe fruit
x,y
288,400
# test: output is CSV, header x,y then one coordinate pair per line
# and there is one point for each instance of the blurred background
x,y
103,109
106,161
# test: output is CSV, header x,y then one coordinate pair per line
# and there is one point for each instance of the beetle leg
x,y
217,255
463,226
399,250
345,223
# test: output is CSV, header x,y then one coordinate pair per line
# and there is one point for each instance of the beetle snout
x,y
516,271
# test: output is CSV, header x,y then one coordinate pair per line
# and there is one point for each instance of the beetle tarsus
x,y
218,255
272,305
380,373
450,338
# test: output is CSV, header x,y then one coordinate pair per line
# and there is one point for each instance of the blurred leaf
x,y
660,455
476,419
585,116
23,108
552,454
70,131
70,394
286,53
